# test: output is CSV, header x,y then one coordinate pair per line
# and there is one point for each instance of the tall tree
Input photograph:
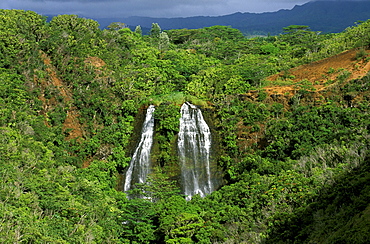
x,y
155,31
138,30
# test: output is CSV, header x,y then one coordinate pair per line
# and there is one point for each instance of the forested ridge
x,y
326,16
293,149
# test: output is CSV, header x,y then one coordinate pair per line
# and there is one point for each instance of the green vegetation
x,y
295,167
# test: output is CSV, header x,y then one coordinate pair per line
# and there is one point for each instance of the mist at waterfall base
x,y
140,165
194,153
194,146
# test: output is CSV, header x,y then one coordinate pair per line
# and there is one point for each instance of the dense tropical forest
x,y
292,149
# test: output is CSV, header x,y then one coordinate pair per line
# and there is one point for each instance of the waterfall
x,y
194,144
140,163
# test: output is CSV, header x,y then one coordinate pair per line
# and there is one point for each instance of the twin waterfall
x,y
194,145
140,163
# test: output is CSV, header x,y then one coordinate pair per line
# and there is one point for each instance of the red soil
x,y
320,72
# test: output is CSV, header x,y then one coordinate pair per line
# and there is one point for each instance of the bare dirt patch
x,y
323,72
95,61
71,123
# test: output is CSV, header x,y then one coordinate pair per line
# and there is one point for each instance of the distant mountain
x,y
326,16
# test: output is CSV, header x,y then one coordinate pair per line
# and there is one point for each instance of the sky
x,y
149,8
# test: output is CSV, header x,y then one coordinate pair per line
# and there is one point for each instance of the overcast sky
x,y
151,8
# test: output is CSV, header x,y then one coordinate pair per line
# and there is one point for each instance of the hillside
x,y
320,78
323,73
325,16
287,117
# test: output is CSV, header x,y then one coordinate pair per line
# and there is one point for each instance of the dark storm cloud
x,y
157,8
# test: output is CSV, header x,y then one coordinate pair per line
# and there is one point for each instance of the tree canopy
x,y
293,153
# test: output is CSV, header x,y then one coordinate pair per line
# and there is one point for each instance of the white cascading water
x,y
194,145
140,163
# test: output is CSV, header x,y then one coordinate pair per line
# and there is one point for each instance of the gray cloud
x,y
158,8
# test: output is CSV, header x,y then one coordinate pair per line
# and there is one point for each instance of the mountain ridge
x,y
325,16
